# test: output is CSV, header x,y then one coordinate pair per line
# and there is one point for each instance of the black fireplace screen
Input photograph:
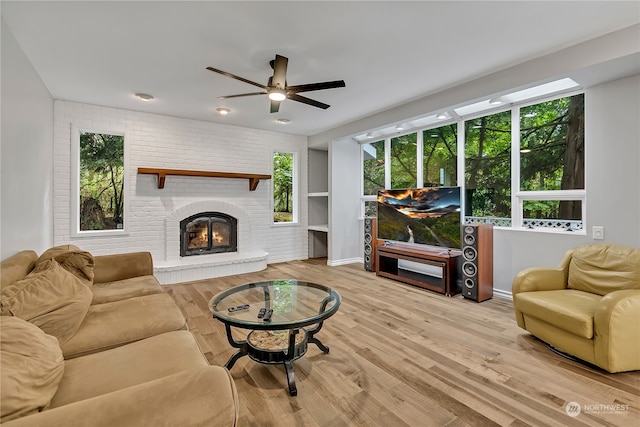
x,y
208,233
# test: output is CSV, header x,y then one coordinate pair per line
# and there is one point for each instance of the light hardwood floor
x,y
404,356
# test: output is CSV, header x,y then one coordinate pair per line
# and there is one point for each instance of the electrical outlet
x,y
598,232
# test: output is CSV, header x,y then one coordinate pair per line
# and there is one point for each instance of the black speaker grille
x,y
469,268
470,253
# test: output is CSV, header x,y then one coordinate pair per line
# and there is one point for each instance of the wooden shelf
x,y
254,179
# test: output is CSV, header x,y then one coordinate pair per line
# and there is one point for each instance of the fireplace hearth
x,y
208,233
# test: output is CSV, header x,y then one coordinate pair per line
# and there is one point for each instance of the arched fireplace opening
x,y
208,233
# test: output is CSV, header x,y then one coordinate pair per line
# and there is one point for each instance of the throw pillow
x,y
72,259
49,297
31,365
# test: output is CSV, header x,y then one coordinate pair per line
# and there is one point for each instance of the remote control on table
x,y
262,312
267,317
238,308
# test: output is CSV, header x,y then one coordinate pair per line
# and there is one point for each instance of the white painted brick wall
x,y
167,142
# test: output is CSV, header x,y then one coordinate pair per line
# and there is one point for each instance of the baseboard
x,y
502,294
335,263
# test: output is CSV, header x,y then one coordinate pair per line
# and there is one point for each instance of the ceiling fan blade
x,y
279,72
233,76
304,100
242,94
316,86
275,106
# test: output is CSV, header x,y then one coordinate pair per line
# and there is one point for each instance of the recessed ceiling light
x,y
496,101
144,96
369,135
223,111
399,127
283,121
443,116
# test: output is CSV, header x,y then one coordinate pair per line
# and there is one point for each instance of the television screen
x,y
429,216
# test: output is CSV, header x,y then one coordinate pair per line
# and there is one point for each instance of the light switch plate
x,y
598,232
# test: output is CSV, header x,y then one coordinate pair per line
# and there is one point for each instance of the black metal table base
x,y
270,357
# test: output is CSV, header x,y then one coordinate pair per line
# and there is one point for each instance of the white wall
x,y
345,245
26,154
168,142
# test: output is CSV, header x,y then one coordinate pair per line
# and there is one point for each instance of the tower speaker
x,y
477,261
370,241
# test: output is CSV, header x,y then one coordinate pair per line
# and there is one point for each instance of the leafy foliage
x,y
373,170
282,187
488,166
404,166
101,181
440,156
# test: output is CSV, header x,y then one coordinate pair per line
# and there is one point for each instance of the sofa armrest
x,y
109,268
204,396
617,331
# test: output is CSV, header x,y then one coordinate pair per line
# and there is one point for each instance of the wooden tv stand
x,y
389,253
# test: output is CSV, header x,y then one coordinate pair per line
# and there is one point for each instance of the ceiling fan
x,y
277,88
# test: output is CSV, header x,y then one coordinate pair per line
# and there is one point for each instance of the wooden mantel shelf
x,y
254,179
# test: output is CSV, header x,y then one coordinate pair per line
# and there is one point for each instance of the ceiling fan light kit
x,y
277,89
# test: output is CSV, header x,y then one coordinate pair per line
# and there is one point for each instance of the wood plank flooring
x,y
404,356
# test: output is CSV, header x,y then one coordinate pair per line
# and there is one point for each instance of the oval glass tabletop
x,y
294,303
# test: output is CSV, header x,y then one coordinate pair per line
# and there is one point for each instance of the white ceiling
x,y
388,52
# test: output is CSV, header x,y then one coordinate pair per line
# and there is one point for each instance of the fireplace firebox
x,y
208,233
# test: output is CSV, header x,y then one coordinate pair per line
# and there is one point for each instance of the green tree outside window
x,y
101,181
282,187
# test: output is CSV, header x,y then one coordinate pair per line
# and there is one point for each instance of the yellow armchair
x,y
588,307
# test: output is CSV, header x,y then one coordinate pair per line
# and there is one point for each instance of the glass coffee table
x,y
276,312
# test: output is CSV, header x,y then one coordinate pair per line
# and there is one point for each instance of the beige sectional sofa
x,y
94,341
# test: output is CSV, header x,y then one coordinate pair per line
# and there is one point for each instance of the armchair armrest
x,y
617,331
199,397
539,279
536,279
109,268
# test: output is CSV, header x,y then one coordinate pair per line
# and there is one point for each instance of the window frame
x,y
295,206
75,231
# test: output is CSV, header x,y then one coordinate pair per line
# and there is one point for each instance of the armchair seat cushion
x,y
570,310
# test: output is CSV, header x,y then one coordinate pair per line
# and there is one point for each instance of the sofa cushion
x,y
601,269
49,297
31,368
125,289
121,322
570,310
72,259
158,357
17,267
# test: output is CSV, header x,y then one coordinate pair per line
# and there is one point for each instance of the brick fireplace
x,y
222,259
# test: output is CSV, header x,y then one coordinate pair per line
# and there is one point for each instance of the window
x,y
522,167
284,183
403,159
552,163
373,176
439,159
100,196
488,166
552,145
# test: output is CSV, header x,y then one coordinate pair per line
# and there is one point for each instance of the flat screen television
x,y
428,216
